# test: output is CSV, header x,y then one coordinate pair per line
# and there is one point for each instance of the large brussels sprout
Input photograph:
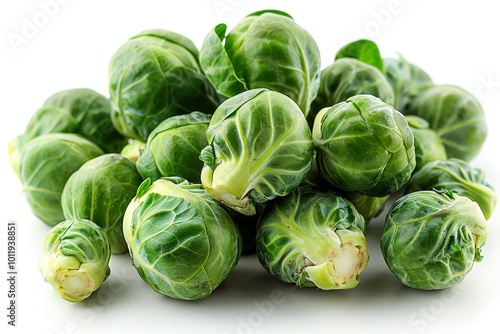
x,y
364,145
181,241
347,77
174,146
153,76
101,191
428,145
460,177
456,115
267,49
80,111
75,258
408,81
259,147
45,165
431,239
313,238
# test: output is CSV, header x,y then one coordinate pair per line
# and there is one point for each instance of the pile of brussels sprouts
x,y
249,146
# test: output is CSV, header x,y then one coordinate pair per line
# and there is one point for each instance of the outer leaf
x,y
217,66
364,50
460,177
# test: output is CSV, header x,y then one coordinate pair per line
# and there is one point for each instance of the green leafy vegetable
x,y
75,258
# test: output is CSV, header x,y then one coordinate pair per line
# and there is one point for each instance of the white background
x,y
70,46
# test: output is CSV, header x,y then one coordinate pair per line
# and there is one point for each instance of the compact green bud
x,y
174,146
46,164
75,258
313,238
260,147
431,239
182,242
101,191
364,145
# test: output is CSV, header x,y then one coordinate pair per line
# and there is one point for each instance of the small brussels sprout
x,y
347,77
431,239
153,76
460,177
45,165
75,258
101,191
456,115
174,146
181,241
267,49
313,238
132,150
259,147
408,81
364,145
428,145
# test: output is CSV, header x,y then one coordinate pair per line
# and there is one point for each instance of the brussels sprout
x,y
431,239
456,175
132,150
347,77
313,238
260,147
101,191
153,76
80,111
174,147
181,241
46,163
266,49
75,258
45,120
91,112
428,145
364,145
408,81
456,116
